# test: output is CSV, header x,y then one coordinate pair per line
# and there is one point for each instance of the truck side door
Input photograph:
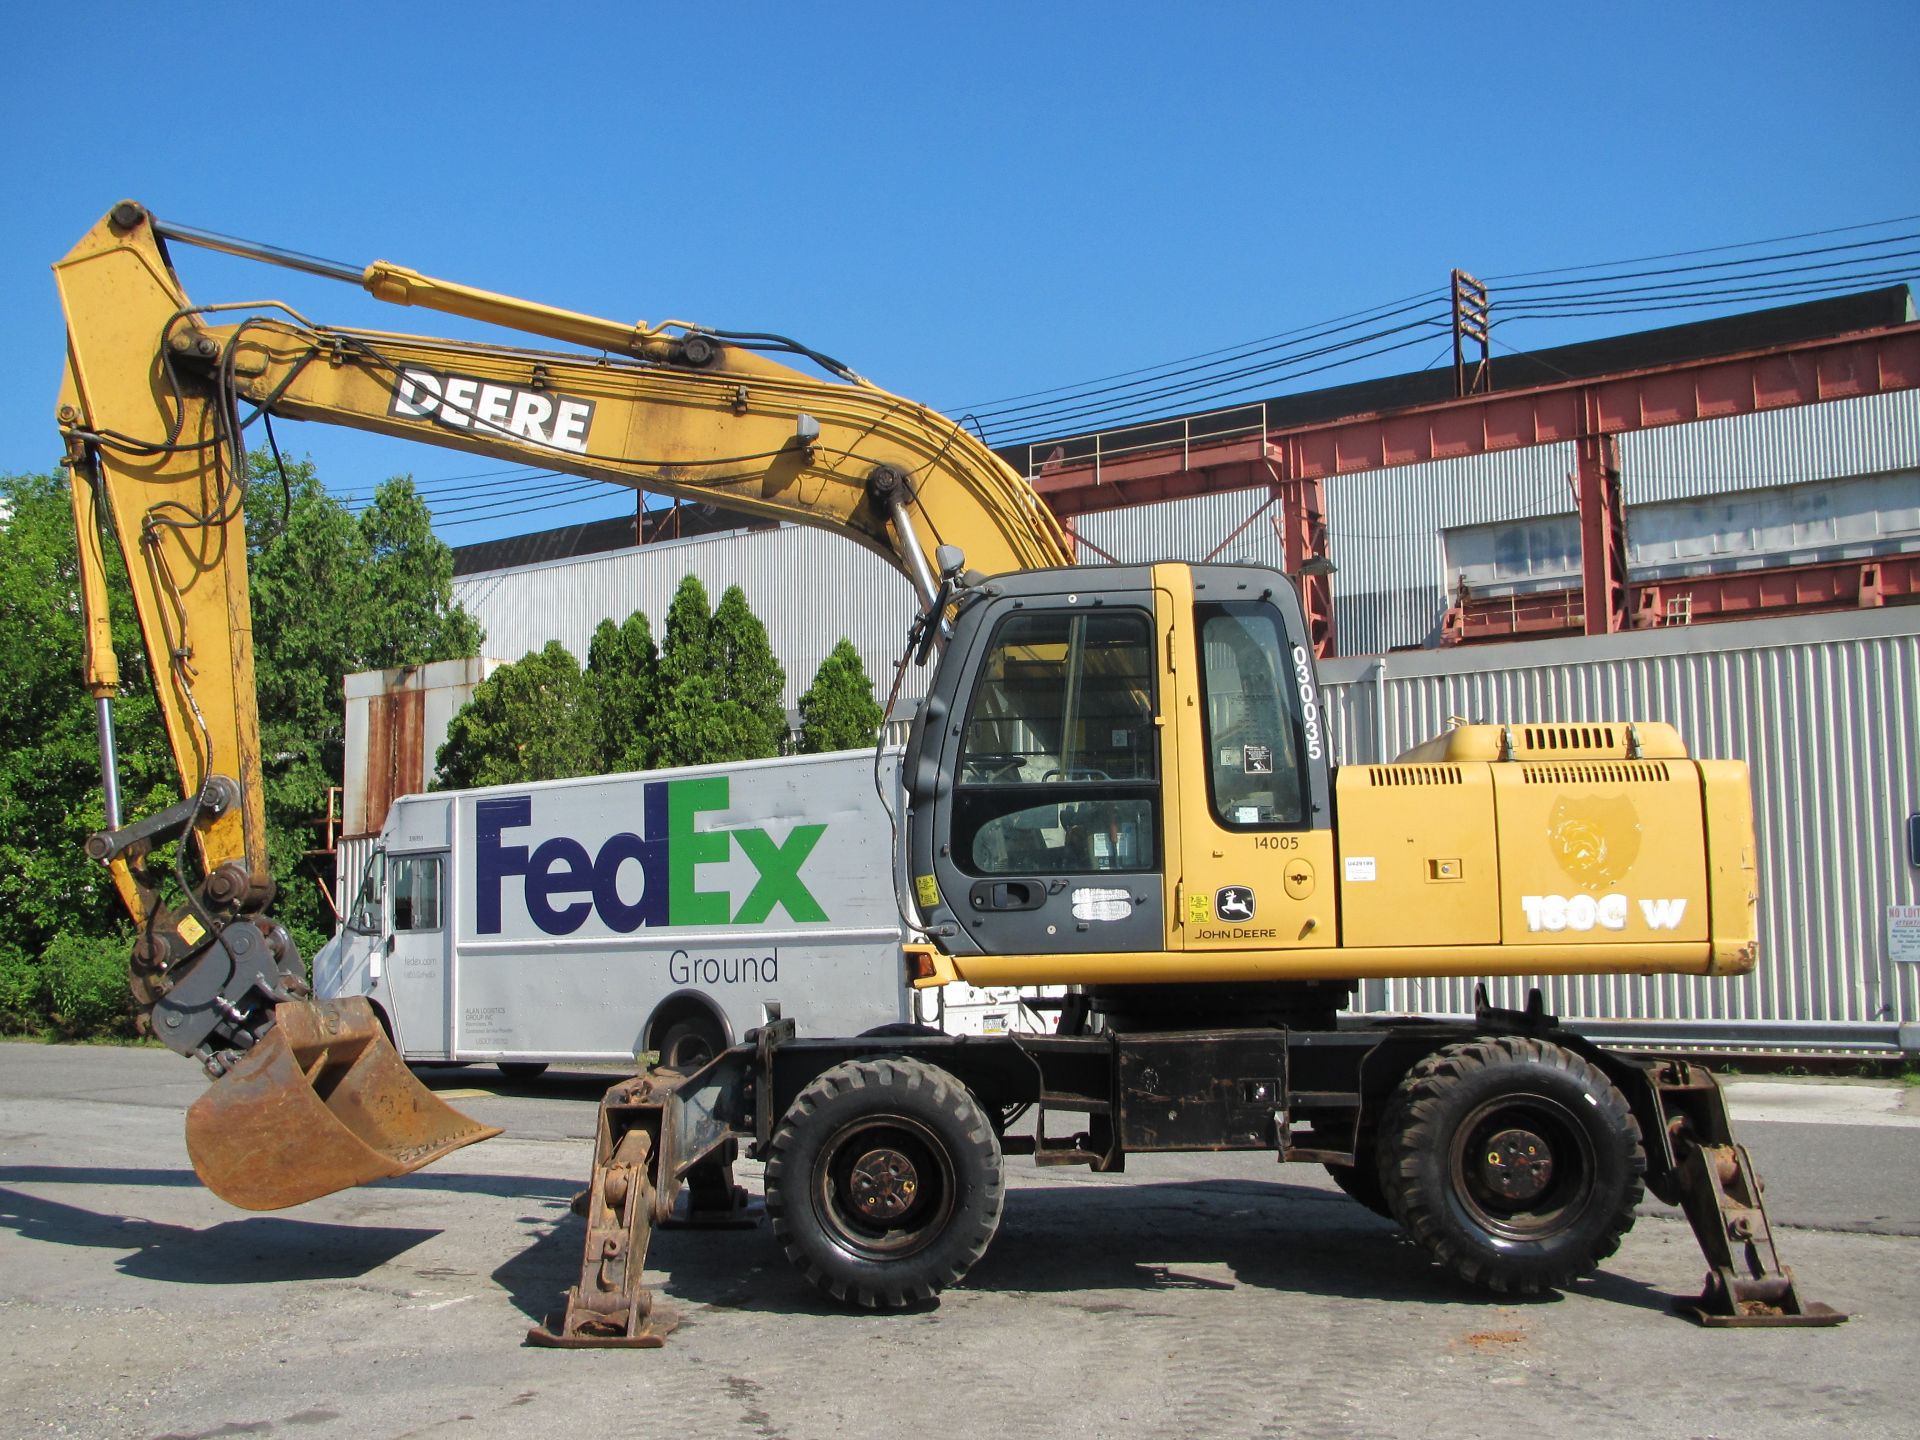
x,y
418,974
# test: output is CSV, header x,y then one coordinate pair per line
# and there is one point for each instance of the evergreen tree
x,y
720,685
838,712
524,722
750,679
622,695
684,716
686,639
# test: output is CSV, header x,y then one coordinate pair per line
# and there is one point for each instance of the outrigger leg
x,y
656,1133
1712,1178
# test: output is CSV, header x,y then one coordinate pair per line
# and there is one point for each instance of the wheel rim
x,y
883,1187
1523,1167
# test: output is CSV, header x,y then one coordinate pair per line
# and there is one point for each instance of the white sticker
x,y
1903,933
1093,904
1361,867
1247,815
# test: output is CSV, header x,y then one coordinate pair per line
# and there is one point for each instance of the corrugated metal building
x,y
1389,530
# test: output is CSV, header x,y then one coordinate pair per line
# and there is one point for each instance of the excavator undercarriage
x,y
1536,1204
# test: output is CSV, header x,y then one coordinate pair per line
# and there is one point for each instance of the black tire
x,y
899,1135
1361,1180
522,1070
690,1042
1513,1161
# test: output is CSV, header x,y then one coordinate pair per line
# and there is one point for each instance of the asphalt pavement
x,y
1195,1295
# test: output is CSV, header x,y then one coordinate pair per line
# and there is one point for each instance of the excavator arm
x,y
158,391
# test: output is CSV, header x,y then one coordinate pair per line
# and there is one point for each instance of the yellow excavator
x,y
1119,782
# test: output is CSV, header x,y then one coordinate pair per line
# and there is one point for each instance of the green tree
x,y
60,908
679,733
720,683
751,679
330,594
622,694
407,615
838,711
525,722
686,647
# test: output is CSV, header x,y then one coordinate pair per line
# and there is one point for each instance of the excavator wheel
x,y
884,1182
1513,1161
1361,1180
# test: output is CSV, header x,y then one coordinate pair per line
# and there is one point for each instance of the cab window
x,y
1059,764
1256,774
416,892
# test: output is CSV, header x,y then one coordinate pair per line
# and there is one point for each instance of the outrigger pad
x,y
323,1103
649,1334
1755,1304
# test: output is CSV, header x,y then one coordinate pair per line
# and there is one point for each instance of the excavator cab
x,y
1060,773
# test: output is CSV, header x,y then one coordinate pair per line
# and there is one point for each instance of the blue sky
x,y
963,202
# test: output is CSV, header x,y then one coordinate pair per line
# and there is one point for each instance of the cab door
x,y
1049,810
1256,840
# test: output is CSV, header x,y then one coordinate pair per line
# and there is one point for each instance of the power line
x,y
1706,250
1133,396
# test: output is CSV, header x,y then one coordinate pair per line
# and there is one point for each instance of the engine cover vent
x,y
1595,772
1413,775
1566,739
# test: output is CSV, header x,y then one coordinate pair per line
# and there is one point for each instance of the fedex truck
x,y
591,920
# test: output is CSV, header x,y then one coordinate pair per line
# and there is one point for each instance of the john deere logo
x,y
1233,902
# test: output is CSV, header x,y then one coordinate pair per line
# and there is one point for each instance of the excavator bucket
x,y
323,1103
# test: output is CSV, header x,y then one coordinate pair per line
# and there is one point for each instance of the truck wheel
x,y
1513,1161
688,1044
883,1182
522,1070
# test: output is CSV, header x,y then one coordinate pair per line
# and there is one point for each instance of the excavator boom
x,y
157,394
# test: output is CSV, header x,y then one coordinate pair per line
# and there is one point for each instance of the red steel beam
x,y
1587,412
1840,367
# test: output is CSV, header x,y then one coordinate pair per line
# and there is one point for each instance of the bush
x,y
85,980
19,993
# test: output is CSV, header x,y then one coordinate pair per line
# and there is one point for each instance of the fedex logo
x,y
563,884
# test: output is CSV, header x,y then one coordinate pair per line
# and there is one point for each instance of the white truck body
x,y
580,920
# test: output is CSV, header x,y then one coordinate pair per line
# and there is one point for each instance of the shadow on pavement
x,y
503,1186
256,1250
1140,1238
